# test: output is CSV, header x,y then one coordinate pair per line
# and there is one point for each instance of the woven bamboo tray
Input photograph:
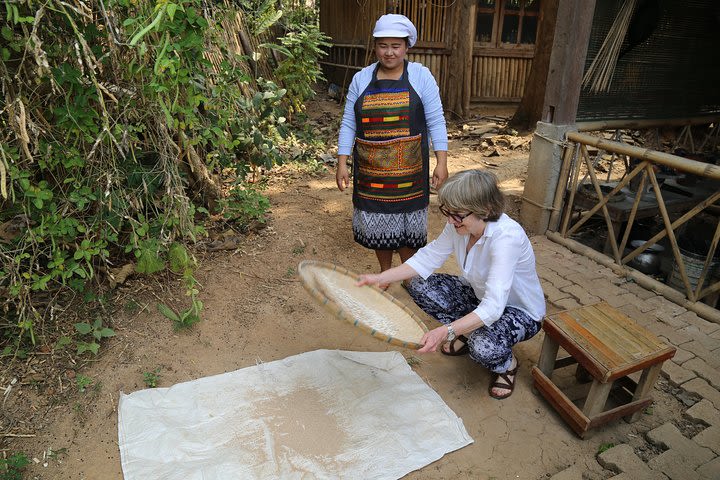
x,y
370,309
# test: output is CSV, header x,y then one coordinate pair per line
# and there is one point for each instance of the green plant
x,y
302,46
604,447
83,382
182,262
97,331
12,468
152,378
115,131
245,204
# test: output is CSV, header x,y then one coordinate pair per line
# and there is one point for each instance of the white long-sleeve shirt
x,y
500,267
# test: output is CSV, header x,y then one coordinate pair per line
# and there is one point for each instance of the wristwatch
x,y
451,334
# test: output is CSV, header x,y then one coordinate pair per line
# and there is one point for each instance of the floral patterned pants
x,y
447,298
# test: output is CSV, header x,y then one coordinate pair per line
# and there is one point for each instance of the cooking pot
x,y
647,262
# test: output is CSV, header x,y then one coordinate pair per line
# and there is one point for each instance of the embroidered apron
x,y
391,155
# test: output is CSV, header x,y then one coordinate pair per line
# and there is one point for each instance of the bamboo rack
x,y
576,156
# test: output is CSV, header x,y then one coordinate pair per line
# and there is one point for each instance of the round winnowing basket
x,y
372,310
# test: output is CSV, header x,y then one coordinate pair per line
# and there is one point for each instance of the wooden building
x,y
479,50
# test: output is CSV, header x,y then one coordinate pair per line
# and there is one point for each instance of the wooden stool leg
x,y
548,354
582,375
596,399
644,386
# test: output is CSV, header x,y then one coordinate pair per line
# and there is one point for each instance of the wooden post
x,y
562,95
531,105
567,61
459,80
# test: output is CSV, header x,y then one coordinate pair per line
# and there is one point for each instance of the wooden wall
x,y
495,76
499,78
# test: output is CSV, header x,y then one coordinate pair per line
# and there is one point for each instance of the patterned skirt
x,y
390,231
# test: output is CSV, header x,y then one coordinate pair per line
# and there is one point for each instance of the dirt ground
x,y
256,310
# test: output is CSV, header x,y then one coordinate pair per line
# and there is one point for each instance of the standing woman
x,y
392,112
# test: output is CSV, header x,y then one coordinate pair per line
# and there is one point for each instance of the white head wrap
x,y
395,26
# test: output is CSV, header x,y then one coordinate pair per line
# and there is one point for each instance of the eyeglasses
x,y
455,217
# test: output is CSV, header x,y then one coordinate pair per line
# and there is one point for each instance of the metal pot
x,y
647,262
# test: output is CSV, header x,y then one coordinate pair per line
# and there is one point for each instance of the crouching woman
x,y
497,301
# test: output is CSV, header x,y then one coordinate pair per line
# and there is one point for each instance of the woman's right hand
x,y
368,279
342,178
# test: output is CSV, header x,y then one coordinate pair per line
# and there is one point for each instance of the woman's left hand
x,y
433,339
440,174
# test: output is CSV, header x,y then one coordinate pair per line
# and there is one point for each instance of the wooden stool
x,y
607,346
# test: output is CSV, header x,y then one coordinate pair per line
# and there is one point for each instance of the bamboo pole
x,y
640,124
631,218
708,261
561,186
666,159
670,233
677,223
593,178
704,311
573,190
586,216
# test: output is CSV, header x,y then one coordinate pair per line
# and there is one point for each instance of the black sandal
x,y
460,351
506,384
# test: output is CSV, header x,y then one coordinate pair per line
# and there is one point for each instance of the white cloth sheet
x,y
321,414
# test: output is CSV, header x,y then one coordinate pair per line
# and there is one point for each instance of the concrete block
x,y
586,279
669,437
711,470
581,294
608,290
641,292
674,336
709,438
674,465
567,303
662,303
705,327
556,280
700,387
703,370
618,301
622,459
711,357
682,355
641,318
553,294
676,374
706,340
669,318
703,411
562,268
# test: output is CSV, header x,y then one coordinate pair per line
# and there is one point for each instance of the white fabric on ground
x,y
322,414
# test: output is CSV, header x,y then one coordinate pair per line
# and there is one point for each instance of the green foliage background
x,y
117,118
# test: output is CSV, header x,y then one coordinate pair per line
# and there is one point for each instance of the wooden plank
x,y
597,370
617,412
560,402
592,345
611,333
614,329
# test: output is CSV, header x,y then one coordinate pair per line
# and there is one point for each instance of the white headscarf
x,y
395,26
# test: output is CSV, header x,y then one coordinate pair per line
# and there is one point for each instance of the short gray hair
x,y
474,191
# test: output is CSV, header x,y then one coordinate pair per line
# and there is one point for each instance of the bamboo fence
x,y
576,157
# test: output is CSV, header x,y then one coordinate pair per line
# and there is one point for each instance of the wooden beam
x,y
567,61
